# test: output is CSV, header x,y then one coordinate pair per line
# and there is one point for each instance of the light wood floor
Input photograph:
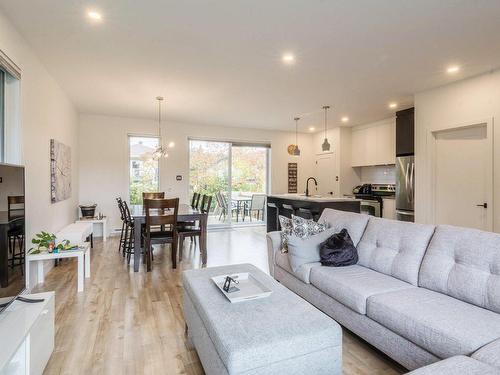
x,y
132,323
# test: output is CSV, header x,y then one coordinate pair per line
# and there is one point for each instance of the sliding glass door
x,y
235,175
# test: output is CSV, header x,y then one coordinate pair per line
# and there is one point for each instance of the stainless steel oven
x,y
371,196
371,207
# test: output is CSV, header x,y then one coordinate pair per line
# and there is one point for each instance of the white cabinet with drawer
x,y
389,208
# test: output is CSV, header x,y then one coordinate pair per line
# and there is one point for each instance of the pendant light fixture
x,y
326,146
160,151
296,150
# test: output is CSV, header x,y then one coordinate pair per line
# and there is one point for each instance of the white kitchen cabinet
x,y
374,144
386,143
389,208
358,148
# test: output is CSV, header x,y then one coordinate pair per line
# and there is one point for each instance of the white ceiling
x,y
219,61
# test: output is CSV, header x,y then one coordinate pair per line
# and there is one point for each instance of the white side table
x,y
83,255
103,222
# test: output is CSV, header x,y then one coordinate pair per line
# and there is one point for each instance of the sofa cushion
x,y
302,272
443,325
338,220
465,264
456,365
489,354
395,248
352,285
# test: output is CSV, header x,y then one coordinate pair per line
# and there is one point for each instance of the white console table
x,y
27,335
83,267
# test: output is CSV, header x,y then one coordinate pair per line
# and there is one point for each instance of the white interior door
x,y
326,174
463,177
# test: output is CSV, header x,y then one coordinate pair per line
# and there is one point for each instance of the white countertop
x,y
313,198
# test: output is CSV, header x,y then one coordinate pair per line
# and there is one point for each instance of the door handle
x,y
484,205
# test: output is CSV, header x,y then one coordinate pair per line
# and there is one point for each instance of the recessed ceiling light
x,y
453,69
288,58
312,128
344,119
93,15
171,144
393,105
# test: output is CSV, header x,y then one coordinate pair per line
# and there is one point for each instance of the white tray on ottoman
x,y
279,334
248,287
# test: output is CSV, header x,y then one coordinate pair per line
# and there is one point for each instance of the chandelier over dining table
x,y
161,151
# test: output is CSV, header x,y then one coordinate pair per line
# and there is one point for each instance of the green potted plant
x,y
44,241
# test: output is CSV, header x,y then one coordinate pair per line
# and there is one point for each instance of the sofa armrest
x,y
489,354
273,246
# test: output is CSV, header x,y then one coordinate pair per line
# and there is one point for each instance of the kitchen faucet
x,y
307,185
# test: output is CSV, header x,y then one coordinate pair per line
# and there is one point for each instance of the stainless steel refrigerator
x,y
405,188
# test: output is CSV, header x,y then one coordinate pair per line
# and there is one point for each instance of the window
x,y
143,170
235,174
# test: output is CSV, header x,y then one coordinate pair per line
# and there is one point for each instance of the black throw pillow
x,y
338,250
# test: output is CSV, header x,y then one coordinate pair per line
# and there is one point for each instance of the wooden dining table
x,y
185,213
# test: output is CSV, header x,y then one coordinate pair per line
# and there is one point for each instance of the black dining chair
x,y
195,230
194,199
128,240
197,202
194,204
119,202
163,213
15,233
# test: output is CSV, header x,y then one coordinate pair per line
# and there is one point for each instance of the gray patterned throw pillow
x,y
299,227
304,228
286,231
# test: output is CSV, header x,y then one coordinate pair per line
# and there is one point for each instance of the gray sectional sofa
x,y
425,295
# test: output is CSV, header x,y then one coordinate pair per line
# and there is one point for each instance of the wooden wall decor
x,y
292,177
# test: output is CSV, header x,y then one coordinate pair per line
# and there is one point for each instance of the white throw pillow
x,y
306,250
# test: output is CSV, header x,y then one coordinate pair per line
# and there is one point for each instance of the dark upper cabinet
x,y
405,132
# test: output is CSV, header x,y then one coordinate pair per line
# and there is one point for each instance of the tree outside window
x,y
143,169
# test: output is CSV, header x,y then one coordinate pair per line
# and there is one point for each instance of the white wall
x,y
468,101
104,157
46,113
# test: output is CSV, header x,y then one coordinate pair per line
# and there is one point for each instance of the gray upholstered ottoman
x,y
280,334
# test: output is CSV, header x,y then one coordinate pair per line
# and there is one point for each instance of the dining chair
x,y
194,203
160,212
153,195
119,201
257,205
197,202
194,199
15,233
128,240
195,230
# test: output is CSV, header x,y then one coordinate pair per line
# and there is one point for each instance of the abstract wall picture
x,y
60,171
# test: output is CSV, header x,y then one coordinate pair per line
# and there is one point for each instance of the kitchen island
x,y
308,207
